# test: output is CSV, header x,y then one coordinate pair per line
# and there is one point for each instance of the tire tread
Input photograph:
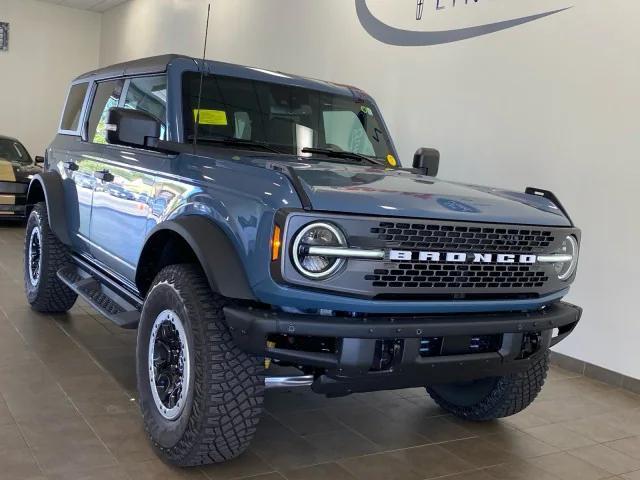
x,y
228,402
52,295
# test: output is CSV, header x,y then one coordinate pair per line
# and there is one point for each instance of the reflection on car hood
x,y
13,172
346,188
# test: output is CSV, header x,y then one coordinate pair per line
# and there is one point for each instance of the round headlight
x,y
569,247
317,267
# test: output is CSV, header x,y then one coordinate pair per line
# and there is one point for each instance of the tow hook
x,y
267,360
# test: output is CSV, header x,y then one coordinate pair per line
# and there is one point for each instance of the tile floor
x,y
68,411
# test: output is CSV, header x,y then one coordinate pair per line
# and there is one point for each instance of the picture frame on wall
x,y
4,36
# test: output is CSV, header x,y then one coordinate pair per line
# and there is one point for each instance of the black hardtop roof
x,y
134,67
161,63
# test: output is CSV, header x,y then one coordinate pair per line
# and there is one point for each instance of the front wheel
x,y
200,395
496,397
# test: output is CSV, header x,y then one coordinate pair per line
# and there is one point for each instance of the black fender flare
x,y
214,250
48,186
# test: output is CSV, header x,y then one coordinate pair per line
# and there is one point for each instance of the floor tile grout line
x,y
337,460
353,430
464,472
243,477
599,466
66,395
248,477
384,452
93,359
64,392
84,419
23,436
73,340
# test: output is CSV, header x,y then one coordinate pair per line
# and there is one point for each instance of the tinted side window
x,y
107,96
149,94
73,109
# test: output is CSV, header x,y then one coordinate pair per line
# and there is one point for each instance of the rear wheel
x,y
200,395
44,255
491,398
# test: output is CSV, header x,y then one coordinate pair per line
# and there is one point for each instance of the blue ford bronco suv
x,y
243,220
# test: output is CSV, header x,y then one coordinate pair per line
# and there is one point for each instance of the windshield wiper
x,y
338,154
232,141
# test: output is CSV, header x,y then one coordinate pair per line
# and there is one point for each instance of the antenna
x,y
204,54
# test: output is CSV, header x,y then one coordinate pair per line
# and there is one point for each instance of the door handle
x,y
71,165
103,175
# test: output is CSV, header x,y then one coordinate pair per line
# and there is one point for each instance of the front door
x,y
124,182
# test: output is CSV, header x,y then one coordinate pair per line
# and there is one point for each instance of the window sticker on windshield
x,y
210,117
366,110
391,160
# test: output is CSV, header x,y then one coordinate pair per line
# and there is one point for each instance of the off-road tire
x,y
224,399
506,395
49,294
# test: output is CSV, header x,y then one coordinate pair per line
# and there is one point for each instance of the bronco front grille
x,y
464,237
413,278
438,260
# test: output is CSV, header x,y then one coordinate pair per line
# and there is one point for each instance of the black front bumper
x,y
348,369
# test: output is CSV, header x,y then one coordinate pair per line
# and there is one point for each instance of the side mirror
x,y
39,159
427,160
132,128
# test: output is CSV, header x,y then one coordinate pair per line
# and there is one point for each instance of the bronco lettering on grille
x,y
458,257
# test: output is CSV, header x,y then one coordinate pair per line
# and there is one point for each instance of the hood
x,y
14,172
346,188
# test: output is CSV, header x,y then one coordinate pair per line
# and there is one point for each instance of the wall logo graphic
x,y
419,9
4,36
414,38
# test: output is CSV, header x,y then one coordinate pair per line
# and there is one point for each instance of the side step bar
x,y
103,294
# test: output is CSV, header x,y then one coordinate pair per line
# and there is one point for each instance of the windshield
x,y
284,118
14,152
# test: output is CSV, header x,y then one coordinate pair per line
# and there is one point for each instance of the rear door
x,y
124,178
63,157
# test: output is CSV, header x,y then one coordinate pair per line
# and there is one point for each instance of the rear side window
x,y
107,96
73,109
149,94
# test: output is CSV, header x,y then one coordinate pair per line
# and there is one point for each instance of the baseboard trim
x,y
595,372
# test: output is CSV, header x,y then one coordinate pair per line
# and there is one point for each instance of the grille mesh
x,y
426,275
465,238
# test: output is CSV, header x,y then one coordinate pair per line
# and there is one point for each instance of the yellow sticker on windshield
x,y
391,160
210,117
366,110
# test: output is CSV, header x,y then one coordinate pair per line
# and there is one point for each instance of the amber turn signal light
x,y
276,243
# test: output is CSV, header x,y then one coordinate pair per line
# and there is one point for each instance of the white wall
x,y
554,103
49,45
